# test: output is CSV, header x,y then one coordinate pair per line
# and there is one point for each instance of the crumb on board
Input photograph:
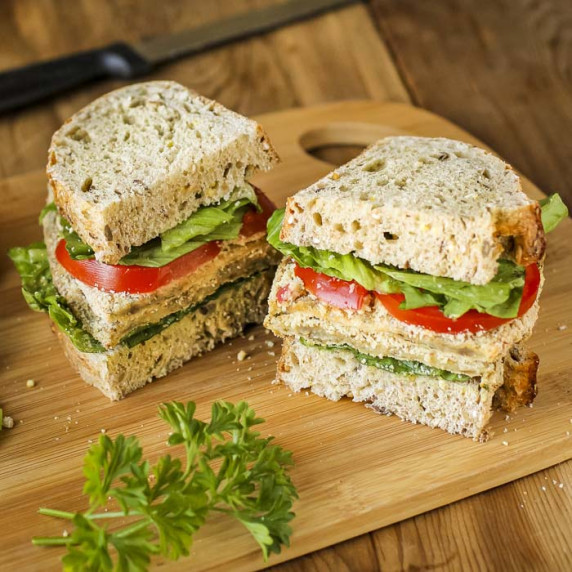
x,y
505,443
269,343
241,355
7,422
251,338
30,383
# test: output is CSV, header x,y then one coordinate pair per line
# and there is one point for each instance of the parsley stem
x,y
140,524
56,513
117,514
51,540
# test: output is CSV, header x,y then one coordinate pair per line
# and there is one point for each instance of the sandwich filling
x,y
174,253
42,296
392,365
438,303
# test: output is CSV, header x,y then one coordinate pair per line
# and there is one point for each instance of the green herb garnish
x,y
227,468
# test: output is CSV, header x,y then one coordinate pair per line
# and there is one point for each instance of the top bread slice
x,y
434,205
142,159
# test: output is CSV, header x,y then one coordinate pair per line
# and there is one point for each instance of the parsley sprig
x,y
227,468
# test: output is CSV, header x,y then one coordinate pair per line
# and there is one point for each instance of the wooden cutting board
x,y
355,471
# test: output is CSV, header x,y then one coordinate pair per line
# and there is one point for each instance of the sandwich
x,y
410,282
154,239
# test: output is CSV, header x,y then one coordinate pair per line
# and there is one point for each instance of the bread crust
x,y
523,233
519,383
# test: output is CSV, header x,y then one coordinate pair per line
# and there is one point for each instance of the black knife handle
x,y
33,83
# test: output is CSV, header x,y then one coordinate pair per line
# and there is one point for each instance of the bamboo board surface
x,y
355,471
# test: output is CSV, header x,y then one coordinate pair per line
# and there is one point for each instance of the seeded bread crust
x,y
121,370
519,385
109,317
374,331
463,408
435,205
141,159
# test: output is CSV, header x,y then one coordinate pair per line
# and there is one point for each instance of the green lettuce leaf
x,y
41,295
344,266
220,222
553,212
500,297
403,367
77,248
50,207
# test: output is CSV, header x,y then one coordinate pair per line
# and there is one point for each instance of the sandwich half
x,y
155,241
410,282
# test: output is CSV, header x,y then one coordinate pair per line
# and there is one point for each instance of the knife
x,y
30,84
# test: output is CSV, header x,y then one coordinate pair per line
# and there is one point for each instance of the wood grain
x,y
310,62
378,469
502,70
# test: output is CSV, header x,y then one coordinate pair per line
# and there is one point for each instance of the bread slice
x,y
457,407
121,370
434,205
109,317
374,331
141,159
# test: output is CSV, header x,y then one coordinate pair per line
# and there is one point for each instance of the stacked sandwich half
x,y
410,282
154,237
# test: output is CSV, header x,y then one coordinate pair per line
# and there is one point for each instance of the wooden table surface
x,y
499,68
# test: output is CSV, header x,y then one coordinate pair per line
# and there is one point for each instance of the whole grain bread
x,y
109,316
374,331
141,159
121,370
457,407
434,205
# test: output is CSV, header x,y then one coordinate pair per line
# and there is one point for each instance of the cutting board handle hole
x,y
337,143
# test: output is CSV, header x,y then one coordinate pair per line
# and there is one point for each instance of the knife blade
x,y
33,83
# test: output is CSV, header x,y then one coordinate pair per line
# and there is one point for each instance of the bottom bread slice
x,y
462,407
122,369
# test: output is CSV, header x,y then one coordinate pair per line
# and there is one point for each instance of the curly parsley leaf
x,y
227,467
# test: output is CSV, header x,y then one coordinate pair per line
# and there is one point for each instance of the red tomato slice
x,y
143,279
253,221
433,319
333,291
134,279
